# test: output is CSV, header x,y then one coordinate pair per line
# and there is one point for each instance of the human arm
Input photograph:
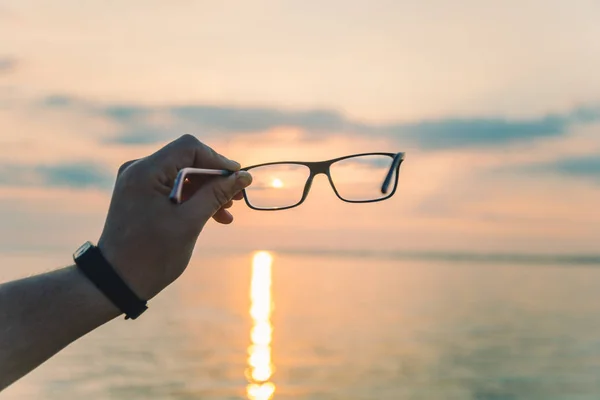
x,y
147,239
40,315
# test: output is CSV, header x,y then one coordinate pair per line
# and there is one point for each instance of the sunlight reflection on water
x,y
260,368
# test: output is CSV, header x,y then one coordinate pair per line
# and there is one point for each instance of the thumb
x,y
215,193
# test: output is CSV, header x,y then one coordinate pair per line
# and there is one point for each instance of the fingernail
x,y
242,180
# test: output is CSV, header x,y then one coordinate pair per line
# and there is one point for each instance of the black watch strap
x,y
91,262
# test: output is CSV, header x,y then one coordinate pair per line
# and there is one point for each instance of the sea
x,y
339,325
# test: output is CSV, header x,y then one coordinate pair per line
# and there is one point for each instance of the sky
x,y
496,104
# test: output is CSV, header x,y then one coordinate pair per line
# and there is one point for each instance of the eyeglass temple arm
x,y
398,158
176,193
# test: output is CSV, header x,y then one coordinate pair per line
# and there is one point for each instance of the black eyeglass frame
x,y
324,167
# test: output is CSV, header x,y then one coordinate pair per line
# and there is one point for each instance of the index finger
x,y
188,151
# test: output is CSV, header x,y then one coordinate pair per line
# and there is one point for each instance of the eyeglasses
x,y
357,178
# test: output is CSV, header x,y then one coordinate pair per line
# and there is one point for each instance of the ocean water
x,y
343,326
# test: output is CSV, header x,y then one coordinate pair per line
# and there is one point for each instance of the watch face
x,y
82,249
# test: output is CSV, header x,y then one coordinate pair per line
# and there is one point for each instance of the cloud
x,y
477,132
143,125
585,167
578,167
586,115
259,119
581,167
138,124
58,101
7,64
81,175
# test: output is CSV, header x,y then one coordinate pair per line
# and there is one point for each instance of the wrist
x,y
97,268
128,269
94,305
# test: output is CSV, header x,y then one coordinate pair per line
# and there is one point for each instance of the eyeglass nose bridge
x,y
317,168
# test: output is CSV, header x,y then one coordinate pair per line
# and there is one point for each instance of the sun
x,y
277,183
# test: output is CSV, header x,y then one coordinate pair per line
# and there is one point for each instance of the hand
x,y
148,239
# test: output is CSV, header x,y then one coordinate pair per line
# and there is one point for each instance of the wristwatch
x,y
91,262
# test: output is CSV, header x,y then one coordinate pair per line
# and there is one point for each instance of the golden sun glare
x,y
277,183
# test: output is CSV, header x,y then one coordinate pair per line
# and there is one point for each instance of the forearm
x,y
42,314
